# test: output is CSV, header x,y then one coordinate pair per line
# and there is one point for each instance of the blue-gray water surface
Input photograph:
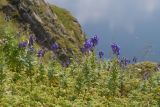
x,y
133,25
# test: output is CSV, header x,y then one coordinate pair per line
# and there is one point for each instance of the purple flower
x,y
115,49
134,59
101,54
54,47
23,44
31,40
41,53
88,45
124,61
94,40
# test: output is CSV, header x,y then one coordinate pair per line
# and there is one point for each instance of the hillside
x,y
53,73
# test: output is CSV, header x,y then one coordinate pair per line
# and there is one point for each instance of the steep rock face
x,y
47,24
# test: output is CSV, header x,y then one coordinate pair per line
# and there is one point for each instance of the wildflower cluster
x,y
28,43
23,44
89,44
115,49
41,53
124,61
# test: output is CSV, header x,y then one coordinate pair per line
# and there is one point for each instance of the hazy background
x,y
133,24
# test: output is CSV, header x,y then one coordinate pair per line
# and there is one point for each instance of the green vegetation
x,y
70,23
26,80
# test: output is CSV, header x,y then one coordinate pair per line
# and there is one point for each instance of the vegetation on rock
x,y
50,24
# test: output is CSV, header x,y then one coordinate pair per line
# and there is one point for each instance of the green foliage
x,y
68,20
72,26
26,80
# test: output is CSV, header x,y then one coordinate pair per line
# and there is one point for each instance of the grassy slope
x,y
74,29
89,83
68,20
28,81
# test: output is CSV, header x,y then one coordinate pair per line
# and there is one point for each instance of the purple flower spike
x,y
31,40
23,44
124,62
88,45
115,49
135,60
54,47
94,40
41,53
101,54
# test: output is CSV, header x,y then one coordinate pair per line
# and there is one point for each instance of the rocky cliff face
x,y
49,23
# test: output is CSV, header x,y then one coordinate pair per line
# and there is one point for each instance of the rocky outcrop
x,y
46,25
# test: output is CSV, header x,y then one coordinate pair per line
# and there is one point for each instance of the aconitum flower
x,y
134,59
31,40
23,44
101,54
124,61
41,53
115,49
54,47
88,45
94,40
